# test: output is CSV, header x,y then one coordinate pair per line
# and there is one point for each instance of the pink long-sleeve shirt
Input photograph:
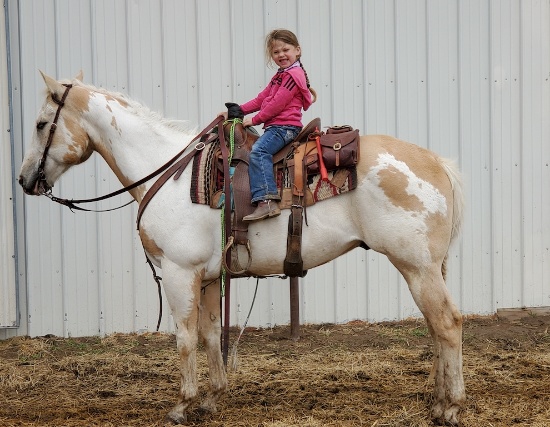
x,y
283,99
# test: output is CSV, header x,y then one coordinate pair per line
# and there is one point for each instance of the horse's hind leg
x,y
210,331
445,324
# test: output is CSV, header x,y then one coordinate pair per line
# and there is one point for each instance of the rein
x,y
71,204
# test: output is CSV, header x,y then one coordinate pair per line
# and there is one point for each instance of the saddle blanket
x,y
207,181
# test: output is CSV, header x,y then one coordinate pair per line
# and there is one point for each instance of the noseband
x,y
53,127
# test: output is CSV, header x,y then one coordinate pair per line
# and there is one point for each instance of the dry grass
x,y
357,374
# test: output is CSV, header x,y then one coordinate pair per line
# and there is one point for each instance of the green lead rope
x,y
227,196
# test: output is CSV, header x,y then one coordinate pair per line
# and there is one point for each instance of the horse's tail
x,y
458,195
458,203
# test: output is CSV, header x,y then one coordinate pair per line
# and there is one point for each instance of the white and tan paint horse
x,y
407,205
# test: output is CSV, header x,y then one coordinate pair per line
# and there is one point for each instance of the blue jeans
x,y
260,168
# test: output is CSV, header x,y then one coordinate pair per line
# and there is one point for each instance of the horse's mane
x,y
145,113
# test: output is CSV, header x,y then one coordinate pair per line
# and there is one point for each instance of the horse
x,y
408,205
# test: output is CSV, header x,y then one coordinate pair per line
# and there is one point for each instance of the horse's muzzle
x,y
34,187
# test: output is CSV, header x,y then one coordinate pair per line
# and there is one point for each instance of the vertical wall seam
x,y
12,161
197,65
396,68
427,89
521,155
62,277
460,137
491,150
126,42
364,15
93,14
334,265
232,50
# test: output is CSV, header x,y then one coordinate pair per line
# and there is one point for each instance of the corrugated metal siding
x,y
467,79
8,300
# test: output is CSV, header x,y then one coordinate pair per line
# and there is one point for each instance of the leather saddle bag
x,y
339,147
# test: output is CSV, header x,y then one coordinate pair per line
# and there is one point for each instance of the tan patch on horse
x,y
80,150
115,125
210,303
193,319
149,244
394,184
438,241
138,193
121,101
79,99
423,163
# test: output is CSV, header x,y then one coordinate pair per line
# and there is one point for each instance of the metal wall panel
x,y
8,295
535,151
475,287
468,79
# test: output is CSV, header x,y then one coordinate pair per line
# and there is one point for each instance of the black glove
x,y
234,111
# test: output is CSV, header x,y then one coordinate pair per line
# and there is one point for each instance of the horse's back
x,y
384,152
421,161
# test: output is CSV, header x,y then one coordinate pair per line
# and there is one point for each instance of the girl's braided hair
x,y
288,37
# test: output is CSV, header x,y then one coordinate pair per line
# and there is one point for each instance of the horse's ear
x,y
80,76
54,87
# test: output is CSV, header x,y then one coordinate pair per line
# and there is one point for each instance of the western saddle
x,y
301,151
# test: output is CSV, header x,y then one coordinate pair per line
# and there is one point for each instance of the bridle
x,y
53,127
41,169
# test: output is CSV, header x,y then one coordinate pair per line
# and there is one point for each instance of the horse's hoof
x,y
437,412
174,418
447,420
208,406
446,417
452,416
206,410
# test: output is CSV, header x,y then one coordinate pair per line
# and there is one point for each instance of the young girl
x,y
279,108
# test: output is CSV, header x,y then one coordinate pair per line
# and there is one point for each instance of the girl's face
x,y
283,54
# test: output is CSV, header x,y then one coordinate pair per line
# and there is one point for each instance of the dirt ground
x,y
358,374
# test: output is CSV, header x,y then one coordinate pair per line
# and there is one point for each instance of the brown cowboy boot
x,y
265,209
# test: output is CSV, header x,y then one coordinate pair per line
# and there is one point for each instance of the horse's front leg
x,y
182,290
210,331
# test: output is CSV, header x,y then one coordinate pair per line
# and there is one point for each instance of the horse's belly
x,y
330,232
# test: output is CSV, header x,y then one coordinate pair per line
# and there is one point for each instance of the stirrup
x,y
227,247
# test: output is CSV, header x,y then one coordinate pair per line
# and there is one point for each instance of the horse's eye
x,y
41,125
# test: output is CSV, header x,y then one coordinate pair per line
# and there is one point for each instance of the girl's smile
x,y
284,54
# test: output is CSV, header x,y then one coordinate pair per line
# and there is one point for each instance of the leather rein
x,y
71,204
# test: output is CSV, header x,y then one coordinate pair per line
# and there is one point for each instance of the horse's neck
x,y
132,145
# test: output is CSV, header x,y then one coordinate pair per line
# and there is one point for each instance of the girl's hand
x,y
247,121
224,114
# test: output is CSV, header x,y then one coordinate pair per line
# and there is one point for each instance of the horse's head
x,y
59,140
